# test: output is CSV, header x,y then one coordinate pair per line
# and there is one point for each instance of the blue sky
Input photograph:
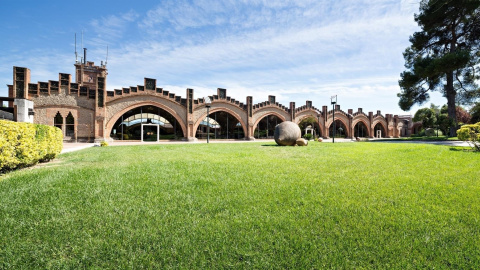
x,y
297,50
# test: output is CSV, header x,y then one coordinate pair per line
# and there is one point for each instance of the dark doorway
x,y
266,127
341,130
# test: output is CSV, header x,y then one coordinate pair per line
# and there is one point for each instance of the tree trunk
x,y
451,96
451,93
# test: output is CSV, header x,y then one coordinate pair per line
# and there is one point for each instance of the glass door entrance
x,y
150,132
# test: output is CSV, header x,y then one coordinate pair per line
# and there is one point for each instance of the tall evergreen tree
x,y
444,56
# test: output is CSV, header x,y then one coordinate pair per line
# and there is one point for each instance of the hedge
x,y
470,134
25,144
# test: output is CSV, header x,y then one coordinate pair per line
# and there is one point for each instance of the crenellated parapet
x,y
307,107
86,108
140,90
359,113
271,102
222,97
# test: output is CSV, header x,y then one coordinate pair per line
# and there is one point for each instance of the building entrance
x,y
150,132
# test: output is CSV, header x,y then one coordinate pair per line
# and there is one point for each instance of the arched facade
x,y
93,110
219,108
113,117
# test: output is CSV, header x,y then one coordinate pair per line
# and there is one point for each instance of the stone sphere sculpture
x,y
287,133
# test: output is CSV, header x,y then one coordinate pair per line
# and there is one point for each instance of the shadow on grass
x,y
463,149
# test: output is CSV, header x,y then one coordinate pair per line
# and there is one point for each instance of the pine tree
x,y
444,56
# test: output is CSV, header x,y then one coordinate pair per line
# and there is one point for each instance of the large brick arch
x,y
383,123
113,118
255,124
304,114
315,114
119,104
259,114
340,116
200,112
416,126
364,120
200,116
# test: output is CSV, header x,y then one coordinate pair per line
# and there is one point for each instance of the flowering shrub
x,y
25,144
470,134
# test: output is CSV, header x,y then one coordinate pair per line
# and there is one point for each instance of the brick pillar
x,y
396,132
389,119
100,111
250,131
372,127
10,95
21,79
324,128
292,111
190,136
350,122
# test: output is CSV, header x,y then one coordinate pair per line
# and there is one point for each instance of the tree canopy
x,y
444,56
427,116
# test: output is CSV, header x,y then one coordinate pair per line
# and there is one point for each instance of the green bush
x,y
470,134
431,132
308,136
25,144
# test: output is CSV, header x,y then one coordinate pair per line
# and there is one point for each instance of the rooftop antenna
x,y
82,39
76,54
106,59
84,52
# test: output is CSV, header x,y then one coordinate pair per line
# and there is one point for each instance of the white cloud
x,y
111,28
296,50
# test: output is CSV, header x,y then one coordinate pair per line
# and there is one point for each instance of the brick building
x,y
85,111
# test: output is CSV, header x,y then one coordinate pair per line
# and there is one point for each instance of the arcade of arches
x,y
86,110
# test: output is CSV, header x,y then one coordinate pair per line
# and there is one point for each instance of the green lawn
x,y
252,205
426,138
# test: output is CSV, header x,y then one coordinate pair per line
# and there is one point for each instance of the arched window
x,y
310,123
340,129
221,125
360,130
130,125
58,121
70,125
266,127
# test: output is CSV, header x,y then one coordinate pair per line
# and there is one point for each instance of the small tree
x,y
427,116
475,113
470,134
463,117
444,123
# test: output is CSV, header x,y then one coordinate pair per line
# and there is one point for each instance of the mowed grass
x,y
252,205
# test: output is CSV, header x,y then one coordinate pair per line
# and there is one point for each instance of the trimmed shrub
x,y
308,136
470,134
25,144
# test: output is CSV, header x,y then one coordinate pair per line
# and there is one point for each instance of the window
x,y
58,121
70,125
